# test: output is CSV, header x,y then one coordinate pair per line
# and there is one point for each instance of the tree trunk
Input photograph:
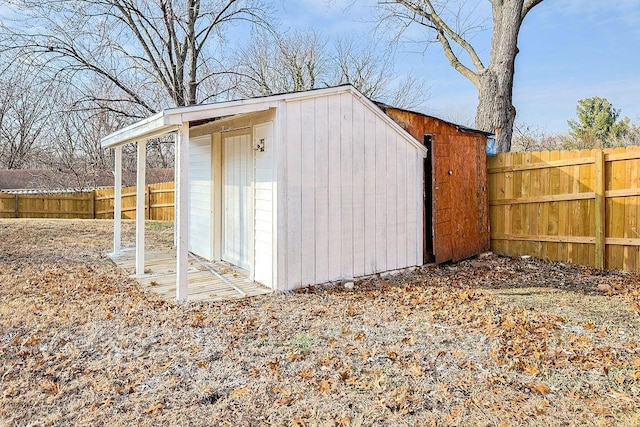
x,y
496,112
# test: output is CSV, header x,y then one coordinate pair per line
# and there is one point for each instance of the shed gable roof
x,y
170,120
461,128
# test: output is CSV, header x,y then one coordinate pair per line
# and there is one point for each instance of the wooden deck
x,y
208,281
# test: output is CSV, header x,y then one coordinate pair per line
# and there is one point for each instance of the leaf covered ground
x,y
489,341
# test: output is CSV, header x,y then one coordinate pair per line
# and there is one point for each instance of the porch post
x,y
117,201
140,200
175,191
182,209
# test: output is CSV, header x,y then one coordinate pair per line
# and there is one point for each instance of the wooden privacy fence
x,y
158,202
96,204
61,205
578,206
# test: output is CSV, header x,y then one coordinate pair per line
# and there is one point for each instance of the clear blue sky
x,y
569,50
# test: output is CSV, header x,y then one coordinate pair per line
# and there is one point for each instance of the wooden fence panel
x,y
7,206
572,206
161,201
73,205
97,204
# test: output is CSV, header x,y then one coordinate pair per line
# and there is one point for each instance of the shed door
x,y
442,201
237,178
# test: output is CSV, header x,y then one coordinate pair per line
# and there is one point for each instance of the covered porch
x,y
178,272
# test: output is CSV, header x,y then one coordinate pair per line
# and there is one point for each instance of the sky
x,y
569,50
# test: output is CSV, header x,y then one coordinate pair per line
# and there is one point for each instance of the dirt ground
x,y
489,341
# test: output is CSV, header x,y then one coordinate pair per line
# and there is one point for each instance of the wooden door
x,y
237,214
467,216
442,201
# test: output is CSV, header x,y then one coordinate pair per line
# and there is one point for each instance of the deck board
x,y
203,284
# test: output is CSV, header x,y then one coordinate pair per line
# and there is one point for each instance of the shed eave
x,y
214,111
180,115
150,127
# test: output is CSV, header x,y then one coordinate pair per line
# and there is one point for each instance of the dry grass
x,y
490,341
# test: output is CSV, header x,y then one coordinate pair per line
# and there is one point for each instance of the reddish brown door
x,y
460,220
442,202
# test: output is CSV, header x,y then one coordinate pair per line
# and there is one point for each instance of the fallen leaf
x,y
409,340
307,374
273,365
415,370
154,408
325,386
298,422
541,388
240,391
30,341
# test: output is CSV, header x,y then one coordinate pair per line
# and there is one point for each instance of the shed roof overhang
x,y
169,120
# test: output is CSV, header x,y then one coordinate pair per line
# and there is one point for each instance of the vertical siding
x,y
401,202
293,202
358,161
369,222
353,193
217,196
415,195
381,194
200,197
392,191
346,183
333,124
263,203
308,179
321,164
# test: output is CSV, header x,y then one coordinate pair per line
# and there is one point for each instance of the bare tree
x,y
452,25
26,109
301,60
139,46
527,137
278,63
371,70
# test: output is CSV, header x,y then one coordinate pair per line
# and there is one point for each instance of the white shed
x,y
298,189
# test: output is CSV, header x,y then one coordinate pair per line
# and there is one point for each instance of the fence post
x,y
15,205
601,218
92,202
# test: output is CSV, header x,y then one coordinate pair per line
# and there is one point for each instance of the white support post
x,y
117,201
175,190
140,211
182,209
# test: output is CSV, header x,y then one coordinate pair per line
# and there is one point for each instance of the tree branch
x,y
529,4
444,32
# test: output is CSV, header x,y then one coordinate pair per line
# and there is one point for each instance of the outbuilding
x,y
307,187
456,204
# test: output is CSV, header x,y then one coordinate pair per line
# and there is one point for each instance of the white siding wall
x,y
264,180
200,197
351,192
